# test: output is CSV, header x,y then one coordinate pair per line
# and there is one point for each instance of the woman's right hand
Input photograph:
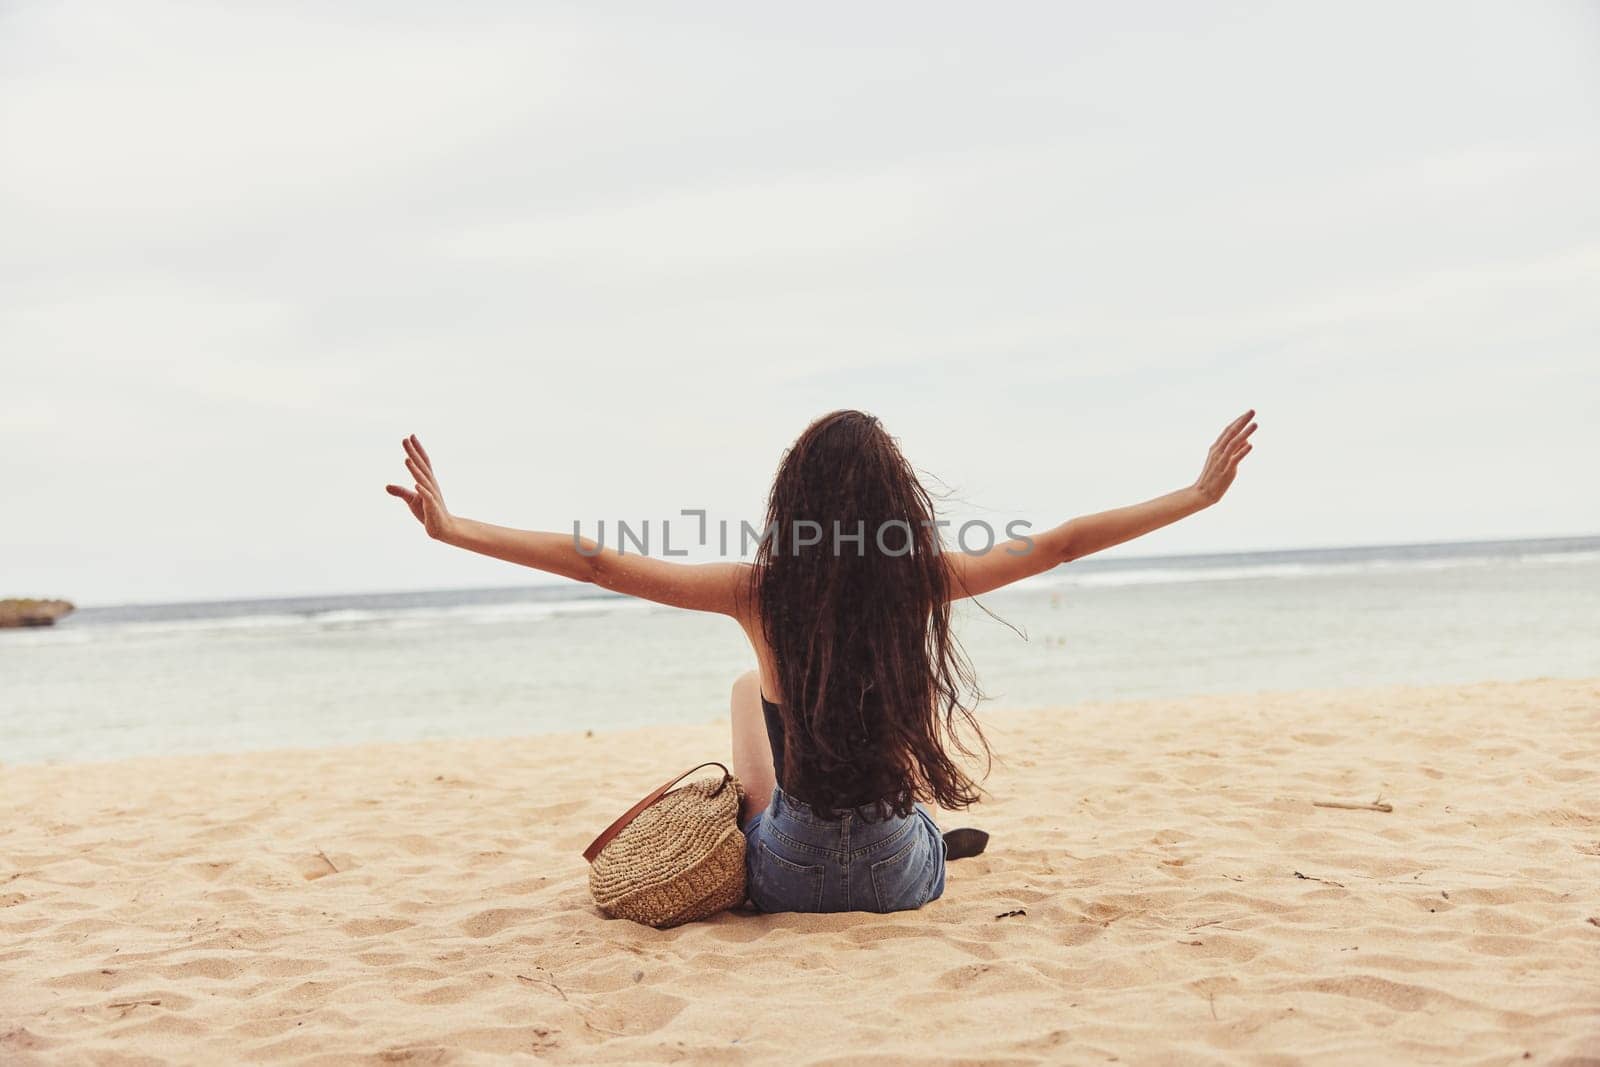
x,y
1222,462
424,498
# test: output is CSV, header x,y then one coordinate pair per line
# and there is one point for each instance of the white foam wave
x,y
338,619
1066,577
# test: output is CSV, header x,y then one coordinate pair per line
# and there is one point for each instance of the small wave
x,y
1132,576
335,619
78,632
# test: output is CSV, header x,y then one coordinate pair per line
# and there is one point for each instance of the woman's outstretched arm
x,y
1023,558
715,587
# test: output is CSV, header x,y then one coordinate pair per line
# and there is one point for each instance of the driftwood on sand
x,y
29,612
1377,805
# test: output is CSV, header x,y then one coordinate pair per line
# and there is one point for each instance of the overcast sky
x,y
608,260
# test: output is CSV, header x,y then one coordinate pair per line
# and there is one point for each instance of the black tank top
x,y
774,717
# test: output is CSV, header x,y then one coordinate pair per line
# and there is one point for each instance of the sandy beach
x,y
1161,887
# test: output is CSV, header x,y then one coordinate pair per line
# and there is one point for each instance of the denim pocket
x,y
901,882
779,884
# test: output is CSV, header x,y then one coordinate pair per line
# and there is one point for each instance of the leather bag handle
x,y
609,833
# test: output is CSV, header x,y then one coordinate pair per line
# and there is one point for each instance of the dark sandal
x,y
965,842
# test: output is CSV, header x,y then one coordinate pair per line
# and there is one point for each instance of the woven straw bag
x,y
673,857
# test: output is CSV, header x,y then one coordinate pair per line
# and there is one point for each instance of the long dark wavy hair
x,y
876,689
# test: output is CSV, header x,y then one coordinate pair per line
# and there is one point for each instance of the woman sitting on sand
x,y
860,690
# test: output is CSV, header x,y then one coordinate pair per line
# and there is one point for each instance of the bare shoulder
x,y
713,587
964,577
744,593
726,587
974,575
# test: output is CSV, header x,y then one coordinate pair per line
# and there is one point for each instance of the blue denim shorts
x,y
861,861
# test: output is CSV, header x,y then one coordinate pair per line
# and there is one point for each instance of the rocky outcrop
x,y
28,612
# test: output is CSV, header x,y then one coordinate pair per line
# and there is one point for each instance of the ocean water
x,y
111,682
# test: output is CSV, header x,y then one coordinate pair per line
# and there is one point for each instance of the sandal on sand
x,y
959,844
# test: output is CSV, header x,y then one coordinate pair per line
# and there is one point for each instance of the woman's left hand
x,y
1222,462
424,498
